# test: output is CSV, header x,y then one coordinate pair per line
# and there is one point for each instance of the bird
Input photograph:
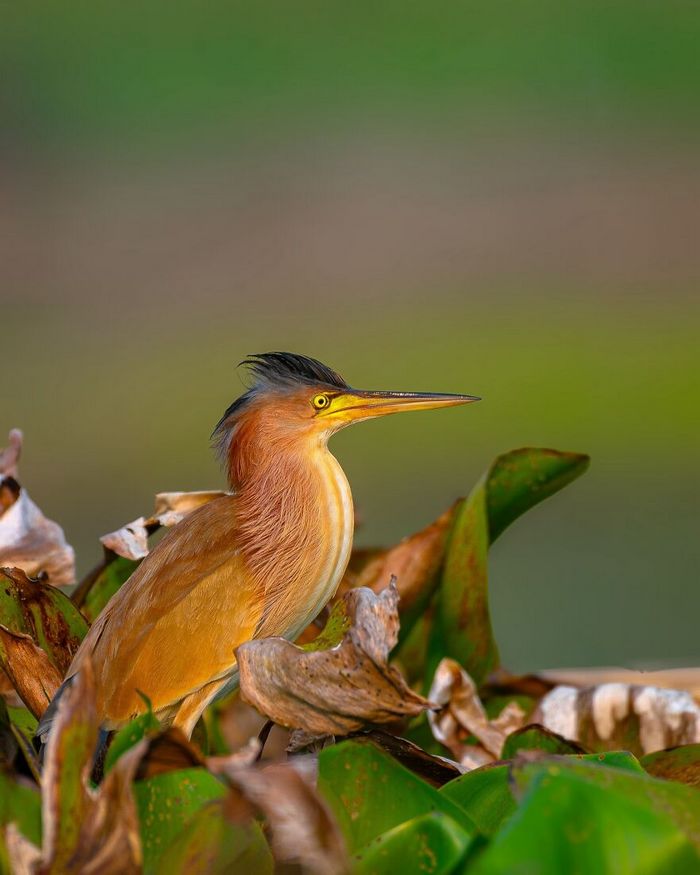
x,y
262,560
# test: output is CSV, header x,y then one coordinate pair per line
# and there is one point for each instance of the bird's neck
x,y
295,525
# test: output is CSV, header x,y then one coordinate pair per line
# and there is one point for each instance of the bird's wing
x,y
176,622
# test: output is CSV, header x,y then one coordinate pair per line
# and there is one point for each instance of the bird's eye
x,y
320,402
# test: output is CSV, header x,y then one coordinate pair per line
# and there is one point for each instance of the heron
x,y
262,560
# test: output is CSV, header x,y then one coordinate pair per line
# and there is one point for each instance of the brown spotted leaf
x,y
462,715
34,608
28,539
614,716
338,690
29,670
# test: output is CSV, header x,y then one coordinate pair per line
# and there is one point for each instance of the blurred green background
x,y
495,198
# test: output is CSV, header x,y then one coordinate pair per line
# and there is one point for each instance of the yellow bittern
x,y
261,561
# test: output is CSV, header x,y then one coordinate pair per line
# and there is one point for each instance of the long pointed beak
x,y
358,404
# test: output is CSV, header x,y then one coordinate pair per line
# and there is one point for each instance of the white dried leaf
x,y
28,540
600,717
462,714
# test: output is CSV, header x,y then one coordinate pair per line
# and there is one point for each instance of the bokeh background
x,y
496,198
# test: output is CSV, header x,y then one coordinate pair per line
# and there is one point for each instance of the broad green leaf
x,y
44,613
21,804
110,579
515,482
433,843
536,737
585,819
211,842
485,793
166,802
677,764
23,719
370,793
129,735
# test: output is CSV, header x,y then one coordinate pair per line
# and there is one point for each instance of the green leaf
x,y
22,804
536,737
129,735
110,579
42,612
332,634
370,793
577,817
166,802
676,764
485,793
211,842
515,482
432,843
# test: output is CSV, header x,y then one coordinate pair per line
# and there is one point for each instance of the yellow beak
x,y
358,404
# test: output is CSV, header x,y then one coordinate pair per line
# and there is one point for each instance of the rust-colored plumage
x,y
262,561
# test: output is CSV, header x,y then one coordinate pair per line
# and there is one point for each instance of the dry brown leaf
x,y
303,828
462,714
642,719
336,691
29,670
28,539
131,540
24,856
414,562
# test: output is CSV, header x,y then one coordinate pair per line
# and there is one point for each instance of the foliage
x,y
491,786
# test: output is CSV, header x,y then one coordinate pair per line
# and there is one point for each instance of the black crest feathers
x,y
275,370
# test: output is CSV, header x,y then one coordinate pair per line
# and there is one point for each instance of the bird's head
x,y
294,397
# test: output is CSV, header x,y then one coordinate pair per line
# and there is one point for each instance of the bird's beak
x,y
358,404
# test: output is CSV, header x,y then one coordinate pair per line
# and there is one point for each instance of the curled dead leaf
x,y
338,690
29,670
414,562
641,719
303,828
131,540
28,539
462,714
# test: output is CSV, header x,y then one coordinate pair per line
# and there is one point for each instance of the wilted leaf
x,y
414,562
43,612
85,830
28,539
462,715
436,770
215,842
131,540
432,843
28,667
667,679
303,829
332,692
677,764
515,482
370,793
575,817
609,716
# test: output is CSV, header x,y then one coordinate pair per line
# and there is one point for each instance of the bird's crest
x,y
270,370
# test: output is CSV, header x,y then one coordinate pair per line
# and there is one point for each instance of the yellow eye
x,y
320,402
